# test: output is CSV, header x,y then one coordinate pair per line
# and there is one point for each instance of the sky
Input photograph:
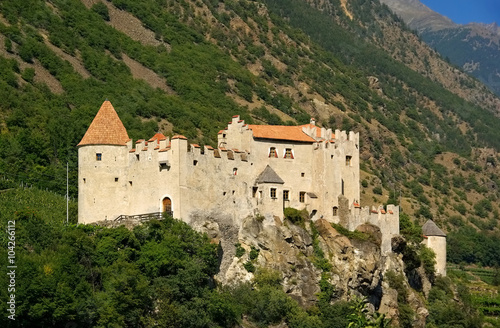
x,y
467,11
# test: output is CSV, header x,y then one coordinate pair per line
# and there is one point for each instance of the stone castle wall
x,y
200,182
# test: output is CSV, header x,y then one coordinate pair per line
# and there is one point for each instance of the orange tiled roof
x,y
280,132
179,137
158,136
106,128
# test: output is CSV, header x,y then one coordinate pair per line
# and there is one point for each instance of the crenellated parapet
x,y
254,169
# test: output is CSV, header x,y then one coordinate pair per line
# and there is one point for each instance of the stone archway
x,y
167,206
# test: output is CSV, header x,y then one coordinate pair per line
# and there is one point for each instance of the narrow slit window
x,y
348,160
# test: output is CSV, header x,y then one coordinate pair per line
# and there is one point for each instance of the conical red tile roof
x,y
106,128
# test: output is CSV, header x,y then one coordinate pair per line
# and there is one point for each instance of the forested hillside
x,y
161,274
429,132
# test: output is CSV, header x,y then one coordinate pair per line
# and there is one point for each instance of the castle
x,y
256,170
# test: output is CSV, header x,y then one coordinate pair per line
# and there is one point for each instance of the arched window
x,y
288,153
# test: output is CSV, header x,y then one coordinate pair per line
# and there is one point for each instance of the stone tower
x,y
435,239
102,163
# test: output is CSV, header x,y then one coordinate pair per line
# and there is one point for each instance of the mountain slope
x,y
430,136
474,47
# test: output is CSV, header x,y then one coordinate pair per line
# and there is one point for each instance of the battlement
x,y
253,169
387,219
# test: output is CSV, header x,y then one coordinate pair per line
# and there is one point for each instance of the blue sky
x,y
467,11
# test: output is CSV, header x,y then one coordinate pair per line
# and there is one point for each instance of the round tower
x,y
435,239
102,168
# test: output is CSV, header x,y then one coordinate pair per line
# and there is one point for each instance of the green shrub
x,y
249,266
254,253
240,251
295,216
428,259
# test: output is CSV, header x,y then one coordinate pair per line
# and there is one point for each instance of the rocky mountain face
x,y
356,267
418,16
474,47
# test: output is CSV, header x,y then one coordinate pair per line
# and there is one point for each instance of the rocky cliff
x,y
308,255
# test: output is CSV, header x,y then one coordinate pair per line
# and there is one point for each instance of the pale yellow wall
x,y
438,245
100,197
211,188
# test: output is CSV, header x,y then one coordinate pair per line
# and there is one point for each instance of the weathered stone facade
x,y
257,170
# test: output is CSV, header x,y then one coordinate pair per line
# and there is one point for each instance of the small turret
x,y
435,239
102,167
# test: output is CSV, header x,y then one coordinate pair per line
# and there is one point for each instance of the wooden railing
x,y
143,217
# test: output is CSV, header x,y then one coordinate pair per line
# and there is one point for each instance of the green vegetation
x,y
406,314
240,251
351,234
450,308
211,63
297,217
159,273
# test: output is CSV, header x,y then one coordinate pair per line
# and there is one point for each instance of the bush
x,y
239,250
295,216
428,259
254,253
249,266
101,9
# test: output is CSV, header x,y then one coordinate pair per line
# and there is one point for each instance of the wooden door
x,y
167,205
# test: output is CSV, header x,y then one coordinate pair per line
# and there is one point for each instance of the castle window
x,y
254,191
302,174
286,195
302,196
348,160
98,156
335,211
195,162
342,186
137,156
84,180
273,192
235,171
116,179
130,182
273,152
288,153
